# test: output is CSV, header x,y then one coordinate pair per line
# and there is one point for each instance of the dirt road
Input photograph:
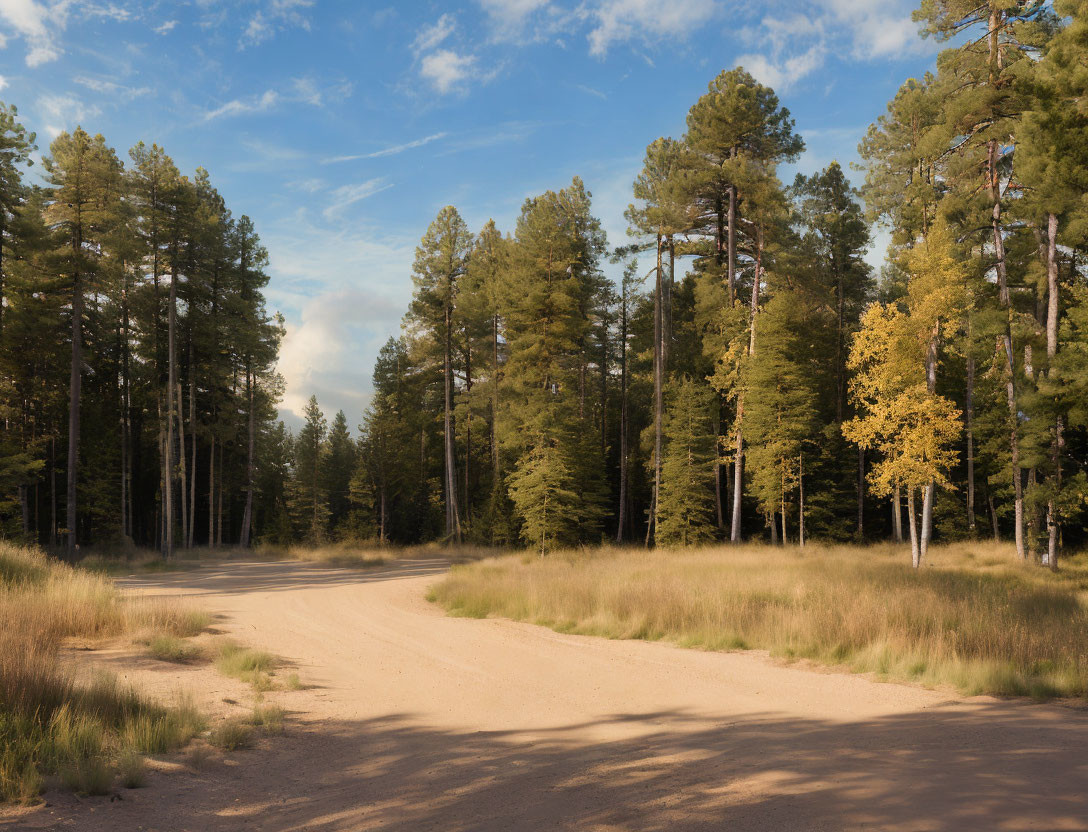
x,y
422,722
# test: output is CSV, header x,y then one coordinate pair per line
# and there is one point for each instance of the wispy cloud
x,y
347,195
111,87
164,28
431,36
273,17
3,82
386,151
61,112
238,106
591,91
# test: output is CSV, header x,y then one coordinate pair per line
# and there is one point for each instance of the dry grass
x,y
232,735
974,618
51,720
357,555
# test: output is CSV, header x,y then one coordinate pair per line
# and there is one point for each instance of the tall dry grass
x,y
974,618
52,720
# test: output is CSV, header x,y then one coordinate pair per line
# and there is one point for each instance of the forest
x,y
750,376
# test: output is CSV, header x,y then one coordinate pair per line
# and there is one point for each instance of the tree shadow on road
x,y
961,766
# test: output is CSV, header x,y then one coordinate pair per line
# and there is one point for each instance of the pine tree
x,y
440,263
340,465
686,512
309,500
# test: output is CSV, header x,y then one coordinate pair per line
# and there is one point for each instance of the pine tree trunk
x,y
659,392
183,479
1010,364
468,430
171,382
801,499
453,520
53,491
251,450
1053,312
622,519
495,398
993,517
192,439
74,384
211,491
970,416
915,552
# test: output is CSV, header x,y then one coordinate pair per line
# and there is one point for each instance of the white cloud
x,y
445,69
3,82
111,87
165,27
431,36
387,151
275,16
238,107
36,24
343,293
347,195
782,73
618,21
61,112
877,29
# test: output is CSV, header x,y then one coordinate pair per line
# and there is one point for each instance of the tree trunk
x,y
915,552
927,521
993,517
1052,523
622,519
183,479
211,491
192,440
74,384
1010,364
251,450
801,499
495,397
453,519
970,416
659,392
897,515
861,495
171,382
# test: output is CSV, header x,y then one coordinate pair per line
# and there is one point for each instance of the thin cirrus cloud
x,y
387,151
347,195
37,25
239,107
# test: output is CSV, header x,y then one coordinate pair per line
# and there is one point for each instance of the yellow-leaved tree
x,y
894,359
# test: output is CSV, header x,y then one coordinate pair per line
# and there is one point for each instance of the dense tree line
x,y
136,354
760,380
748,377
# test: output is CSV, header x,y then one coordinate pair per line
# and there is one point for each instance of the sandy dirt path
x,y
418,721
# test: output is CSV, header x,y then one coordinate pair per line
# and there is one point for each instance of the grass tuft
x,y
132,770
975,618
232,735
170,648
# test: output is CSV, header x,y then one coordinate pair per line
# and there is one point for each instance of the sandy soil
x,y
417,721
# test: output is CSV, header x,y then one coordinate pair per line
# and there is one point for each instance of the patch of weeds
x,y
89,776
168,648
269,718
232,735
252,666
292,682
132,770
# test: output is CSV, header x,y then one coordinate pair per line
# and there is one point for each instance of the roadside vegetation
x,y
55,721
977,619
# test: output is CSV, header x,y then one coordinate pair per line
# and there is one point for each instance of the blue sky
x,y
342,127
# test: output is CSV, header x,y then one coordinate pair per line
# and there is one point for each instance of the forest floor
x,y
412,720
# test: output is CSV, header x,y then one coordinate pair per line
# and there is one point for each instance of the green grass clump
x,y
252,666
268,718
293,682
974,618
170,648
132,770
232,735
